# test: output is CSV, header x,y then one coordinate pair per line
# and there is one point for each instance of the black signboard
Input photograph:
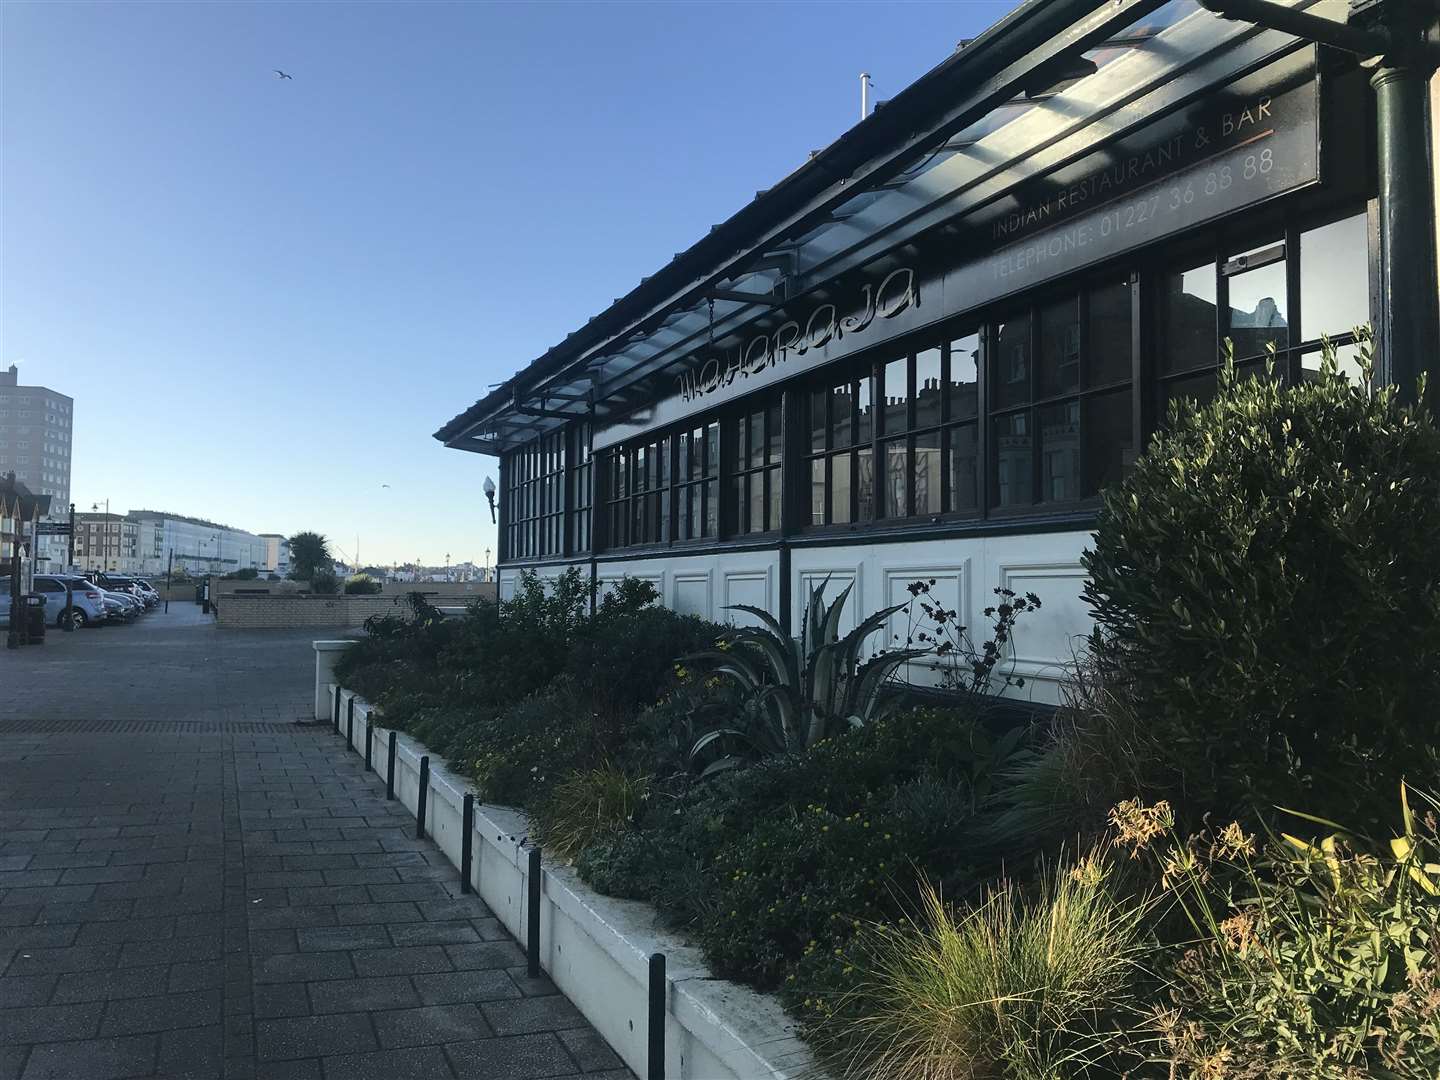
x,y
1252,140
1257,139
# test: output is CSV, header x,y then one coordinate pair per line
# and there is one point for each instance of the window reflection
x,y
1109,440
927,388
1060,348
896,498
897,395
1335,287
964,467
928,473
1109,340
1013,459
1190,333
963,388
1012,362
1060,452
1257,315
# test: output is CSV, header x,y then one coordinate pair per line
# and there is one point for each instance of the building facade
x,y
35,440
199,546
277,554
109,543
926,352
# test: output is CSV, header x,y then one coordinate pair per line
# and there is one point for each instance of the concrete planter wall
x,y
595,948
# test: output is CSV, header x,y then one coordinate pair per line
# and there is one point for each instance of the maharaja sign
x,y
898,291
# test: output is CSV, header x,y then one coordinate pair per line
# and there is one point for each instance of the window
x,y
1246,297
1061,420
755,482
842,474
639,501
582,488
697,483
534,498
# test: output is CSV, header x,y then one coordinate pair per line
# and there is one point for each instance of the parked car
x,y
87,600
130,607
152,597
117,610
121,583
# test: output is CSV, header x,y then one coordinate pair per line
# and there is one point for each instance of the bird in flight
x,y
281,75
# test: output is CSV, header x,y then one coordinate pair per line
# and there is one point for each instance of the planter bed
x,y
595,948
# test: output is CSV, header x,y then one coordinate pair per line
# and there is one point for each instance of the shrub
x,y
1318,959
626,658
586,805
1267,589
362,585
324,583
1019,987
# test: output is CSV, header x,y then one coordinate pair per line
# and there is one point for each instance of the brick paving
x,y
193,885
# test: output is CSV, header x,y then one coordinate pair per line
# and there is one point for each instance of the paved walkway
x,y
191,885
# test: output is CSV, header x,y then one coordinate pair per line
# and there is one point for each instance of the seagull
x,y
281,75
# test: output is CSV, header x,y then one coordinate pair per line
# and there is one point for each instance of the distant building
x,y
35,438
277,554
20,512
199,546
108,542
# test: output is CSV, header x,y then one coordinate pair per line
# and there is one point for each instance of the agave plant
x,y
795,692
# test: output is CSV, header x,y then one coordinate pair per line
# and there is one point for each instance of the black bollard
x,y
655,1055
368,741
390,769
336,710
421,798
467,838
350,722
532,914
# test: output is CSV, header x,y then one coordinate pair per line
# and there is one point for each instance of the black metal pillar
x,y
1409,331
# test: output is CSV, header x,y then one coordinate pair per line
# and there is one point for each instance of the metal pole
x,y
421,799
12,638
169,569
336,692
70,563
655,1032
532,915
1409,309
369,740
390,769
467,841
350,722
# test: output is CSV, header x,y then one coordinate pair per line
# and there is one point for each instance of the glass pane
x,y
895,501
1109,442
866,427
964,466
1257,310
756,483
1346,356
1060,452
1013,460
1107,346
1060,348
695,508
737,500
927,389
842,401
928,470
757,438
817,419
817,492
864,485
1199,388
1189,330
839,488
712,508
897,396
772,498
963,388
712,450
772,433
1334,278
1012,362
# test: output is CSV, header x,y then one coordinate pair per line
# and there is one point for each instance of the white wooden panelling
x,y
690,594
833,578
1047,641
746,587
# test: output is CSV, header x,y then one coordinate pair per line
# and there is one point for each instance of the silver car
x,y
87,600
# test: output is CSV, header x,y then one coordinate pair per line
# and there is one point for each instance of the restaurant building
x,y
925,352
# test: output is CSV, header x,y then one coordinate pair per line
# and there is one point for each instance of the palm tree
x,y
309,553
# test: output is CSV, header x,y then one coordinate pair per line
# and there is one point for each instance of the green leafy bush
x,y
1268,593
1318,958
362,585
325,583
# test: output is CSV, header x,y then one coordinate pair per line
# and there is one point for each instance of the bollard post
x,y
369,740
467,840
336,710
422,797
656,1031
350,722
390,769
532,915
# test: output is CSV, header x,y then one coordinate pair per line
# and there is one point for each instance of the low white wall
x,y
595,948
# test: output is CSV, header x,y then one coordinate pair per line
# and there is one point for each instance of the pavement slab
x,y
195,881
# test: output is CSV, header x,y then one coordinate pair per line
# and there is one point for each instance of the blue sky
x,y
265,295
